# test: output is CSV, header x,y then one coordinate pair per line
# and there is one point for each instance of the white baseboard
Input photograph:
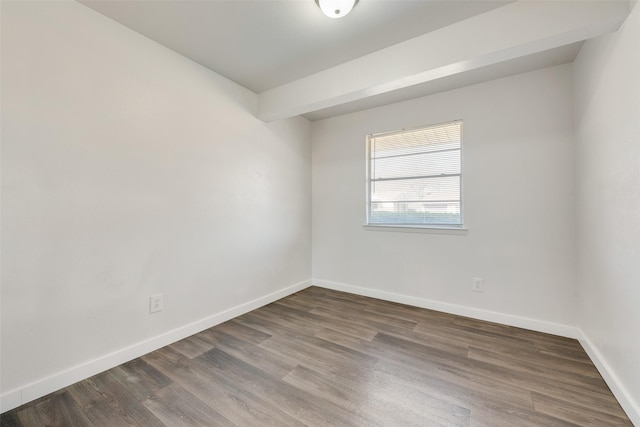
x,y
476,313
630,406
14,398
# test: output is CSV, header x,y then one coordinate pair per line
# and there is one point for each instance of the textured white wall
x,y
519,201
607,122
128,170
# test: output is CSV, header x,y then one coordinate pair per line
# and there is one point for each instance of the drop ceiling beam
x,y
515,30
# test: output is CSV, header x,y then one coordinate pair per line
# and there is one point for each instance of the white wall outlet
x,y
477,284
155,303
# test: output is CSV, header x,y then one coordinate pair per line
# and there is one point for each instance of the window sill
x,y
459,231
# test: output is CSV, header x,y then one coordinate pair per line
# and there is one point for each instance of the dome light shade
x,y
336,8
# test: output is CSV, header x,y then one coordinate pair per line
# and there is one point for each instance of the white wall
x,y
518,196
128,170
607,122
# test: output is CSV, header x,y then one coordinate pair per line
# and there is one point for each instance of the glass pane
x,y
423,164
415,213
441,137
417,190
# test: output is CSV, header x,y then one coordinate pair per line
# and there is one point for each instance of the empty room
x,y
320,213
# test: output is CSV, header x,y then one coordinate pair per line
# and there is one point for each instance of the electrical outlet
x,y
155,303
477,284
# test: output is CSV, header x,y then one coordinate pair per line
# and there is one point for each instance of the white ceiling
x,y
261,44
264,45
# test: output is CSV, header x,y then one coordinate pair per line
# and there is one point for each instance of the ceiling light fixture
x,y
336,8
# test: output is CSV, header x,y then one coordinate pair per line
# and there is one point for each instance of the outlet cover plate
x,y
155,303
477,284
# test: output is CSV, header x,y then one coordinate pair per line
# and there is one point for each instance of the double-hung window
x,y
414,177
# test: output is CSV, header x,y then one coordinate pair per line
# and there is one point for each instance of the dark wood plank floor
x,y
326,358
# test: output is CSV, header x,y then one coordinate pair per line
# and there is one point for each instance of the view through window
x,y
414,177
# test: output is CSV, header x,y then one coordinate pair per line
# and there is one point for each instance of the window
x,y
414,177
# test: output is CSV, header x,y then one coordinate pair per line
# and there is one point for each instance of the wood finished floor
x,y
326,358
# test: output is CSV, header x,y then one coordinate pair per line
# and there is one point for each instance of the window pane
x,y
441,137
415,213
416,190
447,162
414,176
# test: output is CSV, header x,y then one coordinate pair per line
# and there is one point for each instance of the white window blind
x,y
414,177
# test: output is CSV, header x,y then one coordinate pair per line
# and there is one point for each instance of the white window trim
x,y
427,229
413,228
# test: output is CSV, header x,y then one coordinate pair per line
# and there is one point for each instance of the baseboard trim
x,y
476,313
631,407
14,398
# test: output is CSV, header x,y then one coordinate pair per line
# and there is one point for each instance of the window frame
x,y
413,227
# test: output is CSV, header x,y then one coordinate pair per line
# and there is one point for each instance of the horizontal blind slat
x,y
447,162
417,189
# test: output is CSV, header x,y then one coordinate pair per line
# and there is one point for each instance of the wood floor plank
x,y
175,406
435,342
354,315
107,403
544,358
478,338
375,307
338,371
332,359
586,416
297,317
276,365
557,389
57,411
243,332
365,318
511,331
491,417
500,375
140,378
532,365
276,325
545,344
10,419
192,346
574,352
341,298
384,402
325,389
225,397
461,390
298,403
321,357
577,393
462,387
339,338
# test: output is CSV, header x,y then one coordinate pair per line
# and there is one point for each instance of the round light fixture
x,y
336,8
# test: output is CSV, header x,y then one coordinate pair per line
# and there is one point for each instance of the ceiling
x,y
268,45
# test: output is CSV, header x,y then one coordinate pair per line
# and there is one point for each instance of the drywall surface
x,y
607,122
127,171
518,202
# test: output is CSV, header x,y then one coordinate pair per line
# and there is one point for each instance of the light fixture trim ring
x,y
332,12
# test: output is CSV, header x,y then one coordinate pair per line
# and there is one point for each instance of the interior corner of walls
x,y
630,405
39,388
